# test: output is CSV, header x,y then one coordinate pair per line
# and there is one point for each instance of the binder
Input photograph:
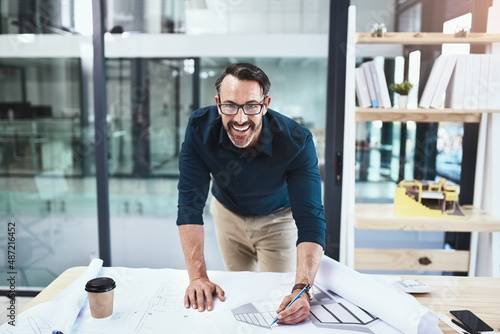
x,y
444,79
370,84
432,82
493,99
456,87
483,86
362,88
471,100
381,88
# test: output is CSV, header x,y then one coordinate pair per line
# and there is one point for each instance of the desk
x,y
478,294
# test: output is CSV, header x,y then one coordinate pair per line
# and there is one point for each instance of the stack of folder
x,y
463,82
371,86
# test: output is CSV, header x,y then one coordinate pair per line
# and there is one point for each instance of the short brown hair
x,y
245,71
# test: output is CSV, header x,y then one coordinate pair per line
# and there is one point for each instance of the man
x,y
264,169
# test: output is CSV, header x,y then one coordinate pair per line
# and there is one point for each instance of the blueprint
x,y
146,301
328,310
330,313
402,311
152,300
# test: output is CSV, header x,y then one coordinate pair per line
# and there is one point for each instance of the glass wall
x,y
143,185
46,149
47,163
150,100
167,16
219,16
149,103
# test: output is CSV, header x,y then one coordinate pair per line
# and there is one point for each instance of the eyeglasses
x,y
248,109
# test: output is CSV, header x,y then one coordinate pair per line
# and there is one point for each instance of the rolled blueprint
x,y
59,314
401,311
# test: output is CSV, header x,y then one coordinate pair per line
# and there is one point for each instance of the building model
x,y
427,199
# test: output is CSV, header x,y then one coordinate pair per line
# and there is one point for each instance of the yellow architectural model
x,y
427,199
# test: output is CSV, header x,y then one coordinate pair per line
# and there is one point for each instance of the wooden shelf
x,y
381,216
408,259
425,38
420,115
370,216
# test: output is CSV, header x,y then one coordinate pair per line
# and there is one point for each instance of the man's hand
x,y
297,312
308,260
201,290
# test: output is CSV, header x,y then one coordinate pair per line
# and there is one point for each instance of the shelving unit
x,y
425,38
380,216
420,115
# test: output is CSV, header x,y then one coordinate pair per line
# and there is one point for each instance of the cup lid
x,y
100,284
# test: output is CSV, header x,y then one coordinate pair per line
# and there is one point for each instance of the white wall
x,y
374,11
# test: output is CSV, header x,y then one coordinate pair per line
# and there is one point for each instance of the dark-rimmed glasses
x,y
248,109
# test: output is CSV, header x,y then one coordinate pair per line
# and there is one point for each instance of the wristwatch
x,y
300,286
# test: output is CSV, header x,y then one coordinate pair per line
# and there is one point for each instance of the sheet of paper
x,y
402,311
146,301
253,312
58,314
330,313
151,300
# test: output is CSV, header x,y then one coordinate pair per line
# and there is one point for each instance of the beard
x,y
242,139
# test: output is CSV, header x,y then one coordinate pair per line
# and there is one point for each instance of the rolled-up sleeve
x,y
304,189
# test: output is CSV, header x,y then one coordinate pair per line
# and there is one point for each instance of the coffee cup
x,y
100,292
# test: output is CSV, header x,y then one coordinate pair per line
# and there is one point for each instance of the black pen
x,y
464,327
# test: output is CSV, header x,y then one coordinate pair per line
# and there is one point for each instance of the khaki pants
x,y
256,243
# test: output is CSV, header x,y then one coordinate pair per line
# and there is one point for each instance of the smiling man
x,y
266,191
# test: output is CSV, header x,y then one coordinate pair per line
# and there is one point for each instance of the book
x,y
455,90
362,88
447,70
493,26
370,84
482,91
493,96
473,100
380,82
468,100
376,85
432,82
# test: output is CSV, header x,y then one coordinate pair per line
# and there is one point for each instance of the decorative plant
x,y
378,30
462,31
403,88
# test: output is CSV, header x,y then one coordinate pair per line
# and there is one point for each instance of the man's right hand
x,y
201,290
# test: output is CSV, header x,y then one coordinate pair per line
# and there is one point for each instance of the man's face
x,y
242,129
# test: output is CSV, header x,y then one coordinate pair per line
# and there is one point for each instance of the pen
x,y
296,297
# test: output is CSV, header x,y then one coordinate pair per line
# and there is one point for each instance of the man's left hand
x,y
297,312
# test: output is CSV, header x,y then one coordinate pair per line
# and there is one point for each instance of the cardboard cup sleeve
x,y
100,292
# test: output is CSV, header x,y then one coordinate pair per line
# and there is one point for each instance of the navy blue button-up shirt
x,y
281,170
